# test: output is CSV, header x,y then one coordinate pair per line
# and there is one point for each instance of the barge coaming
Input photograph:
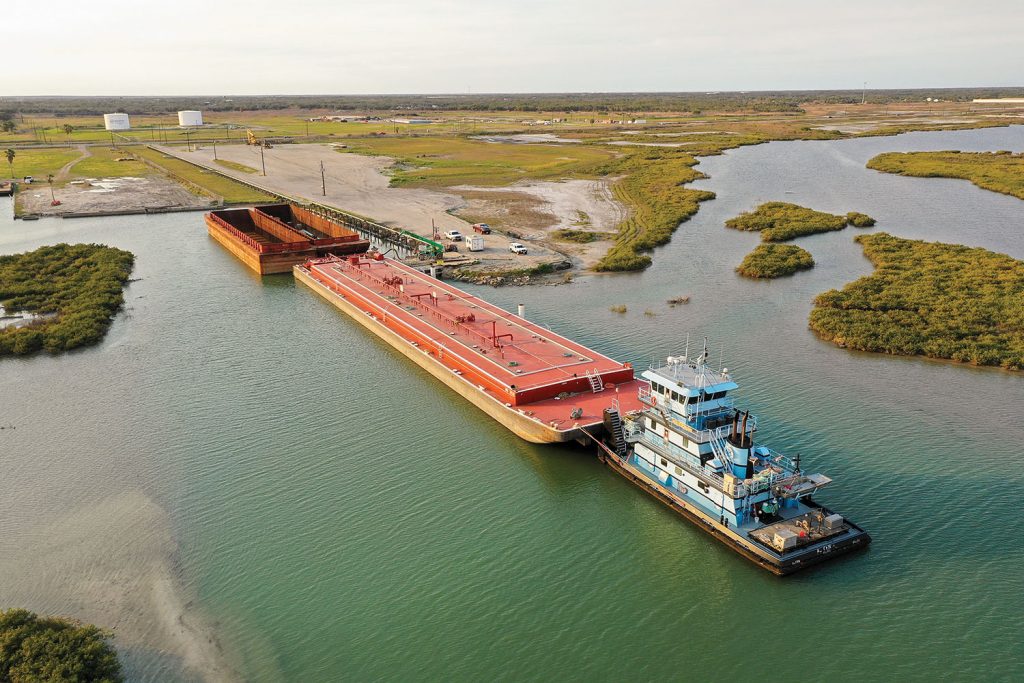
x,y
275,238
542,386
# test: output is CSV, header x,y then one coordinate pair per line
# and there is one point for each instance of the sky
x,y
216,47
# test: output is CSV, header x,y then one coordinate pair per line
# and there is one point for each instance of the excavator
x,y
251,139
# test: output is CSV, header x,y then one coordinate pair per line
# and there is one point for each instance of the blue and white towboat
x,y
694,450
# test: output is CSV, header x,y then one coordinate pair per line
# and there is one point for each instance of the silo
x,y
190,118
116,121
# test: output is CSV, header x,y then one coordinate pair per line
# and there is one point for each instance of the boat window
x,y
679,471
675,396
663,463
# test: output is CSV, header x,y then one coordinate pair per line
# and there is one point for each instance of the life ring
x,y
654,400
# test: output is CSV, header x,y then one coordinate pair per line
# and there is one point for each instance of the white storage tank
x,y
116,121
190,118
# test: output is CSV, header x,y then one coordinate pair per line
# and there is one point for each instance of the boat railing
x,y
681,454
775,458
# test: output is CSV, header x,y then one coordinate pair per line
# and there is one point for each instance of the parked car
x,y
482,228
453,235
517,248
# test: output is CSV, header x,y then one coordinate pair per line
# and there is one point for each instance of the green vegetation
x,y
77,286
775,260
781,221
582,236
34,648
930,299
444,161
108,162
204,182
859,220
41,162
997,171
653,188
235,166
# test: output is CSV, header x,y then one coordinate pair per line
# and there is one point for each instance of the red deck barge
x,y
273,239
542,386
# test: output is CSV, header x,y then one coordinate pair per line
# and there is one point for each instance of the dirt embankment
x,y
536,210
103,196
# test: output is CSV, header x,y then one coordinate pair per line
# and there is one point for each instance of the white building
x,y
116,121
190,118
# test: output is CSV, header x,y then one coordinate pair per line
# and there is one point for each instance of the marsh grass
x,y
775,260
859,220
782,221
80,283
996,171
930,299
582,236
653,189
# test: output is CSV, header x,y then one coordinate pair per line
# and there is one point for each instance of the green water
x,y
339,515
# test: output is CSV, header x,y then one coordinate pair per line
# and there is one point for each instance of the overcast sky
x,y
70,47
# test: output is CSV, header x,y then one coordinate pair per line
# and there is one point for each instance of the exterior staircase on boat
x,y
616,434
595,381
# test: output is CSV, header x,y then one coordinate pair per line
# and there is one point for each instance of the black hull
x,y
783,567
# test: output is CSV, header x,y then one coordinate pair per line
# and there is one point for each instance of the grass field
x,y
775,260
930,299
37,162
444,161
996,171
203,181
234,165
103,163
782,221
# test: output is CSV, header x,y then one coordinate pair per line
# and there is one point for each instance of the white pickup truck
x,y
517,248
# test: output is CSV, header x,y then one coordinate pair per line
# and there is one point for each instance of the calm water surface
x,y
333,513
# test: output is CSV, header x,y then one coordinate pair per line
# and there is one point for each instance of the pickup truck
x,y
517,248
453,235
482,228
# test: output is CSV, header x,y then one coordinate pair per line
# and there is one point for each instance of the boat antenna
x,y
721,357
686,353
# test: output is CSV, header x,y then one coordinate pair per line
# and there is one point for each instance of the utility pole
x,y
263,161
323,178
864,93
188,141
215,150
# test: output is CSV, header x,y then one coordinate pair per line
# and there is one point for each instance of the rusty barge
x,y
273,239
542,386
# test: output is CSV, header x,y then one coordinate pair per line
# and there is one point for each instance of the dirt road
x,y
359,184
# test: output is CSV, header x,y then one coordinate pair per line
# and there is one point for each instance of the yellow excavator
x,y
251,139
